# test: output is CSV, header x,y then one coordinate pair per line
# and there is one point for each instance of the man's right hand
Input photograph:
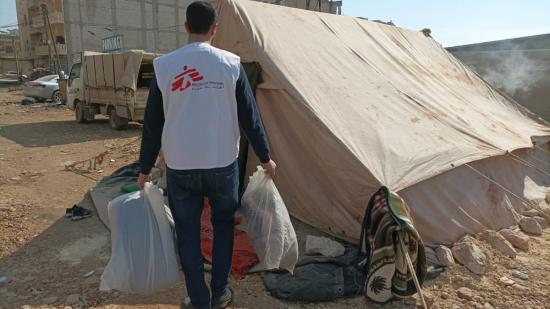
x,y
142,179
270,167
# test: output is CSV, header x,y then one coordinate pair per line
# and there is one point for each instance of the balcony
x,y
42,50
38,20
4,54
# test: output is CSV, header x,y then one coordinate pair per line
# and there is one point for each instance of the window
x,y
75,71
145,75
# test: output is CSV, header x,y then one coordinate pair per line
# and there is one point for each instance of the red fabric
x,y
244,256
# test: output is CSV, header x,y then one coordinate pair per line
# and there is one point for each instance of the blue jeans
x,y
186,192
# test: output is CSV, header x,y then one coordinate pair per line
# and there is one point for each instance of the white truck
x,y
115,85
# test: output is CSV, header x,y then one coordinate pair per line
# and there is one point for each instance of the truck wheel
x,y
79,112
115,121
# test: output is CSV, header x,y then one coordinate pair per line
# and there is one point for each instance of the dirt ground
x,y
46,256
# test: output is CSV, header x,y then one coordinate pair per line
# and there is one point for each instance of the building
x,y
9,47
109,25
8,39
36,38
519,67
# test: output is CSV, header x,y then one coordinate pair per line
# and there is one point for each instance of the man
x,y
196,102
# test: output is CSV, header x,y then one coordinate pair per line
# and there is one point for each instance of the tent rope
x,y
528,164
526,203
542,149
540,161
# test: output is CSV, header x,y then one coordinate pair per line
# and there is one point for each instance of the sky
x,y
459,22
8,13
452,23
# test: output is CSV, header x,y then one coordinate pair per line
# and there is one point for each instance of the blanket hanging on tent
x,y
388,219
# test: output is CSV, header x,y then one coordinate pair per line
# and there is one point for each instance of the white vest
x,y
201,129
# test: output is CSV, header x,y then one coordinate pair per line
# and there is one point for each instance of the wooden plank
x,y
99,76
90,71
118,62
108,70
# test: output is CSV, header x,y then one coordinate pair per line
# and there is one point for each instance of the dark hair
x,y
200,17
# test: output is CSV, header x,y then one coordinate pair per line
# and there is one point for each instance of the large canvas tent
x,y
350,105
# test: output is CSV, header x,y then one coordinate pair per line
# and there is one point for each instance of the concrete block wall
x,y
9,64
151,25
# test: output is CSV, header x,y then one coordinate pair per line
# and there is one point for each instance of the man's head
x,y
201,19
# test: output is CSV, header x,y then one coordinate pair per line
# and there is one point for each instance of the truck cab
x,y
74,85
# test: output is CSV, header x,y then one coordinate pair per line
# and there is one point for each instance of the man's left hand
x,y
142,179
270,168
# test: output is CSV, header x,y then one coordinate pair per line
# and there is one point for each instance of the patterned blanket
x,y
388,219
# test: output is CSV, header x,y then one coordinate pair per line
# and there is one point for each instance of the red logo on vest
x,y
183,80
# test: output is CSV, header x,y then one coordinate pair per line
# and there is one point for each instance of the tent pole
x,y
411,269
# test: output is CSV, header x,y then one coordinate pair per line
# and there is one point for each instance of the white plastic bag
x,y
143,257
268,224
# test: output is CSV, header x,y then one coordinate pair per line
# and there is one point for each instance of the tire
x,y
79,112
56,97
115,121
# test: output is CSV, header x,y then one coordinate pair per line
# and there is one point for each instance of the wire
x,y
122,28
10,26
106,27
176,26
108,8
12,23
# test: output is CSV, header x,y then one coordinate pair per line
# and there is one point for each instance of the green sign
x,y
112,43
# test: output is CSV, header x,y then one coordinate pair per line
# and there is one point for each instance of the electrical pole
x,y
49,27
47,41
16,57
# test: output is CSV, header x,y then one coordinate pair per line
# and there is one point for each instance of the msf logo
x,y
184,80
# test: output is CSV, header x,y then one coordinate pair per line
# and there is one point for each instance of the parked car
x,y
42,89
11,74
